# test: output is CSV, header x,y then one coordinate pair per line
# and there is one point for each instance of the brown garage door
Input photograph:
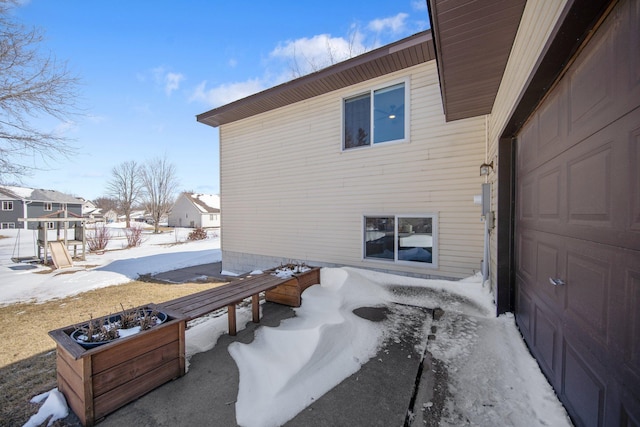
x,y
578,228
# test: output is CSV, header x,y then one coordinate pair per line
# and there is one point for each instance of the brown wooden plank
x,y
194,301
132,390
290,300
62,338
127,348
204,302
75,401
122,373
237,288
87,372
71,370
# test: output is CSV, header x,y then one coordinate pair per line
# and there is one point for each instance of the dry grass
x,y
27,354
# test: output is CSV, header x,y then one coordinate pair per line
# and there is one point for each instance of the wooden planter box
x,y
290,292
100,380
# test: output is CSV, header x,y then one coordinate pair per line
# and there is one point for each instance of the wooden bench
x,y
196,305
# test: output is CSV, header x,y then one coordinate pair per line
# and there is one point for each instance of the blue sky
x,y
149,67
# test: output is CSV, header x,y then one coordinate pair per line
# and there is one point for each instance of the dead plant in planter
x,y
95,331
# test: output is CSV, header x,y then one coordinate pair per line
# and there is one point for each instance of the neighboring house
x,y
546,96
195,210
22,202
135,216
89,210
110,216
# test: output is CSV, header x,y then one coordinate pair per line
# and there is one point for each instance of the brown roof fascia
x,y
396,56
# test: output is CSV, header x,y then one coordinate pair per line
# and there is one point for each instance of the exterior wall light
x,y
485,168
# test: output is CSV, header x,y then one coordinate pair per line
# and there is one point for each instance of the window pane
x,y
415,239
388,114
379,232
357,121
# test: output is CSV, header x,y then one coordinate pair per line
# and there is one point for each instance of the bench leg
x,y
231,314
255,308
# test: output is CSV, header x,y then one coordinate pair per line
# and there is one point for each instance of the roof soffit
x,y
473,41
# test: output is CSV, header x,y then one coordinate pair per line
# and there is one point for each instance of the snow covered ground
x,y
158,253
491,377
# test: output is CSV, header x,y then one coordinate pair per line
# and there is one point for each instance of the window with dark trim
x,y
375,117
401,238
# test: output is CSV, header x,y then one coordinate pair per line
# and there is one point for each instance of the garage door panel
x,y
582,387
590,185
524,312
549,270
604,82
629,77
629,410
589,271
591,191
631,320
549,195
527,200
546,341
526,155
527,257
634,181
591,88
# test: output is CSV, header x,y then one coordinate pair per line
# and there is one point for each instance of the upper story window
x,y
48,206
376,116
7,205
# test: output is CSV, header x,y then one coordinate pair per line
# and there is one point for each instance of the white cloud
x,y
420,5
169,81
395,24
306,55
65,127
226,93
172,82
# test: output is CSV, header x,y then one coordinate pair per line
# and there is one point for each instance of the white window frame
x,y
7,205
51,225
371,91
8,225
47,206
434,236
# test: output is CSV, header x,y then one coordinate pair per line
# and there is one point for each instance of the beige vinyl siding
x,y
538,21
288,189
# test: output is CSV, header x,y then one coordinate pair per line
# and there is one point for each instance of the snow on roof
x,y
21,192
41,195
207,203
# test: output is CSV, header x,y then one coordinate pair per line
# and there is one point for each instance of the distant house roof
x,y
396,56
38,195
207,203
7,194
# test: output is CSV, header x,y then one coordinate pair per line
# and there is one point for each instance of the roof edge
x,y
301,88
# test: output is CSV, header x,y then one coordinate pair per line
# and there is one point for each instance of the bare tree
x,y
160,184
106,204
125,186
31,85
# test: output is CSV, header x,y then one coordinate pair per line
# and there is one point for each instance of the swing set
x,y
58,247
